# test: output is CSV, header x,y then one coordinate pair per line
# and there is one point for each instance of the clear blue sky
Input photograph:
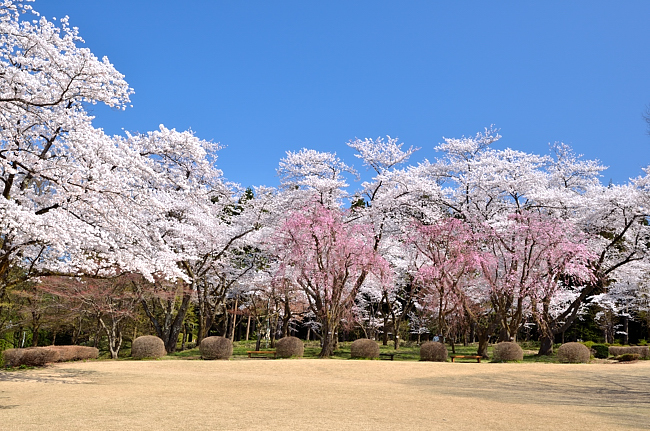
x,y
264,77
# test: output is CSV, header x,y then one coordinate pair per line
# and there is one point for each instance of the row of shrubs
x,y
39,356
147,346
509,351
642,351
150,346
604,351
503,352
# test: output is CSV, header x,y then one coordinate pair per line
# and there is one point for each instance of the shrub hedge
x,y
289,346
215,348
364,348
601,351
573,353
39,356
642,351
148,346
433,351
628,357
30,356
507,351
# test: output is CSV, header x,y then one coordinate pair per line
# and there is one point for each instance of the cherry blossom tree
x,y
452,261
75,200
315,172
329,260
552,264
48,148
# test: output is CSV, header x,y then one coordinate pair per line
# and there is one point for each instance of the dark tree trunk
x,y
172,326
483,337
274,329
177,325
546,346
258,343
35,336
327,342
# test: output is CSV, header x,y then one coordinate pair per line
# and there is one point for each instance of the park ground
x,y
314,394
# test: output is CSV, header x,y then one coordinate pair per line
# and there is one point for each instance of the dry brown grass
x,y
313,394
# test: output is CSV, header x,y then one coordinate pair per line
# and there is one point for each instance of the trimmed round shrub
x,y
573,353
148,346
215,348
364,348
433,351
508,351
289,346
642,351
601,351
30,356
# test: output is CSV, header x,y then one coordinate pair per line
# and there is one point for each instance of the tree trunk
x,y
483,337
626,337
184,338
258,343
98,329
504,335
170,330
248,327
286,317
546,346
327,341
234,319
274,329
114,335
35,336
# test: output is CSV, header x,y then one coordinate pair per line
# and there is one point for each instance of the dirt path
x,y
316,394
